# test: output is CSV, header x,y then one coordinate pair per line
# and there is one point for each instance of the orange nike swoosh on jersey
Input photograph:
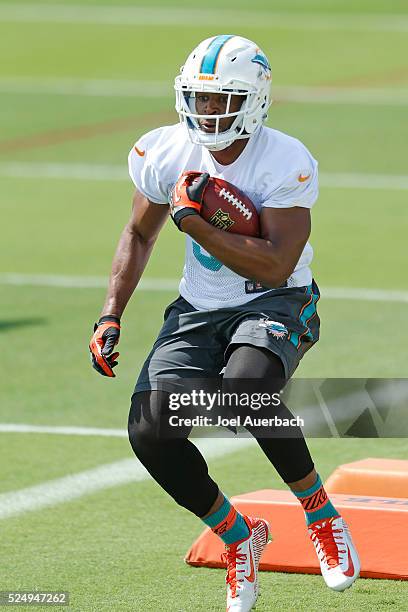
x,y
140,152
251,576
302,178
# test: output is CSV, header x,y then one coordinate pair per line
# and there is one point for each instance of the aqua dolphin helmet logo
x,y
261,59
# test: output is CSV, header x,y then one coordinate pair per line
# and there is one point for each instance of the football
x,y
227,208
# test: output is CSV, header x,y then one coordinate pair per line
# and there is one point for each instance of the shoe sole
x,y
346,587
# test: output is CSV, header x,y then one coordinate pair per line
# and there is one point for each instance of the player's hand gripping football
x,y
187,195
105,337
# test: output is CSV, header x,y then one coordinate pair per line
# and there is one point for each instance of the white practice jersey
x,y
274,170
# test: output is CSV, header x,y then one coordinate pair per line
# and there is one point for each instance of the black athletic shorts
x,y
197,343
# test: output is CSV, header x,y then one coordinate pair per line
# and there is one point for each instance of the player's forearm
x,y
129,262
252,258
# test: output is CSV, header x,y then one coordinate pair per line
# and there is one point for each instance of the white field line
x,y
162,89
92,172
356,180
341,95
82,282
84,483
176,16
62,430
171,284
112,172
87,87
368,295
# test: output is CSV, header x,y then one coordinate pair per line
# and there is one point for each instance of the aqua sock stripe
x,y
227,523
221,514
238,531
311,490
313,498
316,503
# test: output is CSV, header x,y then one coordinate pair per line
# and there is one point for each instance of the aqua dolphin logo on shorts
x,y
276,329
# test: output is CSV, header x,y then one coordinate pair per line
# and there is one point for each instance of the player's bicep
x,y
147,218
288,229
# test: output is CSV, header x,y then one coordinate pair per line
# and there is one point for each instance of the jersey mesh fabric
x,y
268,171
212,285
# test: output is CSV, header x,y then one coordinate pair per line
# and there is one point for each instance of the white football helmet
x,y
229,65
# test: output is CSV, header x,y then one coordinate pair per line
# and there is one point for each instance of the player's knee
x,y
142,422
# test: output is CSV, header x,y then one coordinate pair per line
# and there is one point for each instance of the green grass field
x,y
78,86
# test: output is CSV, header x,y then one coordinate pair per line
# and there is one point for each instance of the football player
x,y
247,306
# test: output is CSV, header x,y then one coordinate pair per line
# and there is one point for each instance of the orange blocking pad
x,y
383,477
379,527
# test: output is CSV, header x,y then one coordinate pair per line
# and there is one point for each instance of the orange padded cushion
x,y
381,477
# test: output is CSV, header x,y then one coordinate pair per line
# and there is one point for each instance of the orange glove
x,y
187,195
105,337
